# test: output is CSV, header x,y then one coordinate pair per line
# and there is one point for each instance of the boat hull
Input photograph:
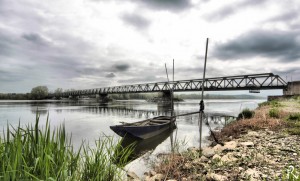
x,y
143,132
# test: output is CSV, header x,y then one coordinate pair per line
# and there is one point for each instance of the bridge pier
x,y
103,98
293,88
166,96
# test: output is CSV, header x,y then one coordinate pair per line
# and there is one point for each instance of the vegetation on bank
x,y
261,147
32,153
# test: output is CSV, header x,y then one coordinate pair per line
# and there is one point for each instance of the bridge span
x,y
252,82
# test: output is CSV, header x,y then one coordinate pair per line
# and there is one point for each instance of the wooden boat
x,y
145,129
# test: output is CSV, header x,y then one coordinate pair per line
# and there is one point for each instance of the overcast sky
x,y
84,44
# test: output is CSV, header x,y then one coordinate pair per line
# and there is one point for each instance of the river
x,y
88,120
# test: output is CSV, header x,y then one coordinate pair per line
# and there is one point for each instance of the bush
x,y
294,117
274,113
246,114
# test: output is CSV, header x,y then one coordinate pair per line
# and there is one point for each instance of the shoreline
x,y
265,147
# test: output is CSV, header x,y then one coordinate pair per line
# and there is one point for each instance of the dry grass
x,y
261,120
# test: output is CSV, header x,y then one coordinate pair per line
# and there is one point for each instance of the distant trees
x,y
39,92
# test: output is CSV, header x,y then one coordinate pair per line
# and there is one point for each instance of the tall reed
x,y
33,153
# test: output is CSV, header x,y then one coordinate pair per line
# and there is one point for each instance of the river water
x,y
88,120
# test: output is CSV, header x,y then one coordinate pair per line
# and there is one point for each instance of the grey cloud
x,y
171,5
231,9
136,20
288,16
110,75
121,67
281,45
174,6
34,38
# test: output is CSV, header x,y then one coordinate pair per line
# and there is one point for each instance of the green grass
x,y
246,114
274,113
273,104
32,153
293,124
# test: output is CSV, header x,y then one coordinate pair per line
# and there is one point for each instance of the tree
x,y
39,92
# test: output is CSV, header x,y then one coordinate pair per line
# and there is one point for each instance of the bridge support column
x,y
166,96
293,88
103,98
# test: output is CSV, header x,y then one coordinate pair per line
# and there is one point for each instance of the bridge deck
x,y
228,83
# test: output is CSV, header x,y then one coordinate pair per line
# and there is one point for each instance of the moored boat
x,y
145,129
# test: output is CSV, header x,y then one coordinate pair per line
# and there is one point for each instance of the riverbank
x,y
264,147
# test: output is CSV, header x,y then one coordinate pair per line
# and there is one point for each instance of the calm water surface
x,y
88,120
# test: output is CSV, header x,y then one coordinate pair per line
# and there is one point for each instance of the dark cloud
x,y
288,16
136,20
34,38
171,5
121,67
174,6
110,75
281,45
232,9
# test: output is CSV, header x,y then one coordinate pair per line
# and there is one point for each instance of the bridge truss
x,y
253,82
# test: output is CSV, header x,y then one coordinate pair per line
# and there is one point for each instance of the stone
x,y
204,159
152,173
215,177
216,157
228,158
247,144
208,152
157,177
252,173
231,145
253,133
132,176
218,148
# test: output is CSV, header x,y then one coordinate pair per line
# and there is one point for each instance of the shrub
x,y
246,114
274,113
294,117
273,103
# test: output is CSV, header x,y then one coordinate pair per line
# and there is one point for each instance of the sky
x,y
82,44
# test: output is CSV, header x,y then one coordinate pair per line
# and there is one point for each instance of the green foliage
x,y
246,114
291,174
39,92
273,103
274,113
31,153
293,124
294,117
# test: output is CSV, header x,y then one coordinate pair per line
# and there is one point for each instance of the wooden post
x,y
201,102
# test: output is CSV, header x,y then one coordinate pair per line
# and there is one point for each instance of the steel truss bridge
x,y
253,82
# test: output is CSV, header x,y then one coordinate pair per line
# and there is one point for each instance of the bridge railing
x,y
240,82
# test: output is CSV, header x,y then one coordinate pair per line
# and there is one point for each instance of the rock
x,y
132,176
295,154
231,145
171,180
204,159
193,149
253,133
247,144
228,158
252,173
152,173
218,148
216,157
208,152
157,177
215,177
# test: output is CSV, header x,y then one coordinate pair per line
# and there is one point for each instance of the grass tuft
x,y
245,114
32,153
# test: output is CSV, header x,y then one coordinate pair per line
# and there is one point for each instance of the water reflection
x,y
141,146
